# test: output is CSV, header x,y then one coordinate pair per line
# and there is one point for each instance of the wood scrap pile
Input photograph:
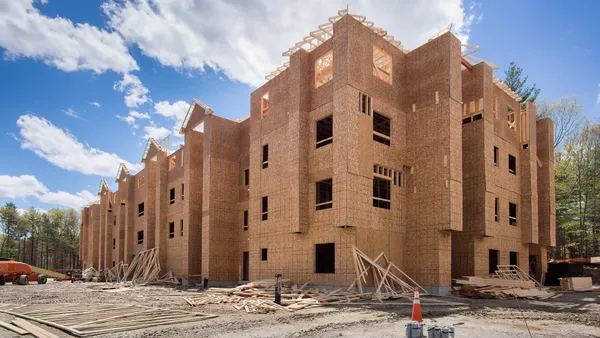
x,y
145,269
115,273
388,280
258,297
483,287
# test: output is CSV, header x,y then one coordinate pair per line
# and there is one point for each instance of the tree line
x,y
48,240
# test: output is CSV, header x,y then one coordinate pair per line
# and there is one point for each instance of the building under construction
x,y
421,154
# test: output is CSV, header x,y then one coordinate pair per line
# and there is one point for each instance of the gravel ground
x,y
568,315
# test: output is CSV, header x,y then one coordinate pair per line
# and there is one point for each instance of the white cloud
x,y
133,115
66,199
68,46
158,133
71,112
175,112
139,115
20,186
245,39
135,92
62,149
130,120
97,104
24,186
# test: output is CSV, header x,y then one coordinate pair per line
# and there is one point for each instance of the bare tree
x,y
566,114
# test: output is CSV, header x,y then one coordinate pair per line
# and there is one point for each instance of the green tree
x,y
513,80
9,220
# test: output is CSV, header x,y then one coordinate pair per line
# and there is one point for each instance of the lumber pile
x,y
84,320
390,282
258,296
498,288
144,270
576,284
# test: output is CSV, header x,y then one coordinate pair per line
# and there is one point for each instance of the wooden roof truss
x,y
325,32
122,168
151,141
103,186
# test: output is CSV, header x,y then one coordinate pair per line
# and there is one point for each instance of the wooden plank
x,y
13,328
33,329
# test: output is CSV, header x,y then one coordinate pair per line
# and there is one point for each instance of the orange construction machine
x,y
19,273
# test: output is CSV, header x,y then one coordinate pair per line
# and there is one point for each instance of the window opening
x,y
382,65
381,193
496,156
181,227
325,131
512,164
324,69
365,104
493,261
265,208
140,209
381,128
512,214
247,177
172,230
140,237
263,254
265,156
324,194
264,104
172,196
511,119
496,209
172,163
245,220
325,258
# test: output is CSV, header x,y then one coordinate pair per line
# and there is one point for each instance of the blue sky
x,y
84,83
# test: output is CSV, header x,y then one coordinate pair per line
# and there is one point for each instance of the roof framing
x,y
151,141
325,32
103,186
206,109
122,169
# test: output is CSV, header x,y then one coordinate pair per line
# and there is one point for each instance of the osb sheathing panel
x,y
431,130
160,228
192,203
546,189
221,187
361,41
504,244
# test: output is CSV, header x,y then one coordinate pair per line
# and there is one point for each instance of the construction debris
x,y
89,274
576,284
480,287
87,320
388,284
257,297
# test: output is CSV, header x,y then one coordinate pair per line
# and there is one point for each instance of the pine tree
x,y
513,81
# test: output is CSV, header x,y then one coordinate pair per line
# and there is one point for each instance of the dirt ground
x,y
567,315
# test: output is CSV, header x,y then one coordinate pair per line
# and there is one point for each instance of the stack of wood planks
x,y
383,275
23,327
84,320
576,284
483,287
258,296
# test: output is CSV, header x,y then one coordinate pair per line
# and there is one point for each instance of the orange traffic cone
x,y
417,316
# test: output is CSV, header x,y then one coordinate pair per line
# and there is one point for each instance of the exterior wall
x,y
441,223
